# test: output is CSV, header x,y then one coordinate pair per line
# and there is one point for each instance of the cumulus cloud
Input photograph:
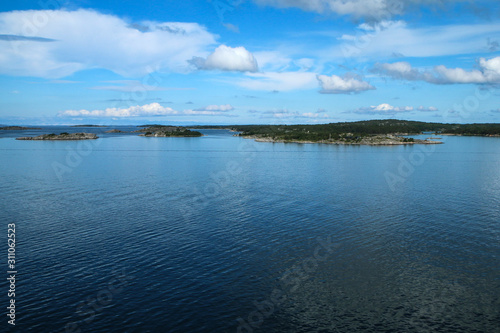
x,y
488,73
84,39
368,9
278,81
150,110
153,109
226,58
342,85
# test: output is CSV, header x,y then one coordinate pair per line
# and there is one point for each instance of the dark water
x,y
222,234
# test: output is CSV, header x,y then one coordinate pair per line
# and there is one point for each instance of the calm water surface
x,y
222,234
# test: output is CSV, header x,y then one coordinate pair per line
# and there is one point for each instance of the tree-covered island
x,y
162,131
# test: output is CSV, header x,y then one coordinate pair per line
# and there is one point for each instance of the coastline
x,y
370,141
61,137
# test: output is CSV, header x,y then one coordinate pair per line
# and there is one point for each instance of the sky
x,y
248,61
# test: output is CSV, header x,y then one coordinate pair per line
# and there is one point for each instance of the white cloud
x,y
337,85
383,108
314,115
226,58
427,109
272,61
446,75
217,108
397,37
207,113
287,114
153,109
357,8
488,72
491,67
274,81
86,39
150,110
369,9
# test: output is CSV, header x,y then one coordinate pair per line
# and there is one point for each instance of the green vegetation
x,y
168,131
474,129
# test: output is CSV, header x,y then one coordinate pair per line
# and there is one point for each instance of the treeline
x,y
474,129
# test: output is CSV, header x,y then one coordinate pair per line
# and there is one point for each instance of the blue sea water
x,y
224,234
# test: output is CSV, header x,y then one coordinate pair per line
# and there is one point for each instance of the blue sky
x,y
249,61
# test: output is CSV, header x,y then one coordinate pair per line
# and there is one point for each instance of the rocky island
x,y
62,136
161,131
115,131
18,128
350,139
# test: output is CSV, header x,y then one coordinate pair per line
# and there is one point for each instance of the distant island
x,y
62,136
163,131
89,126
18,128
115,131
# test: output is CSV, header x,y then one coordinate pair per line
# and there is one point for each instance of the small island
x,y
163,131
62,136
18,128
89,126
115,131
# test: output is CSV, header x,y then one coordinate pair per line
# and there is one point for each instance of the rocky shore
x,y
62,136
375,140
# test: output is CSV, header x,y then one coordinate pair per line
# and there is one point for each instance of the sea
x,y
224,234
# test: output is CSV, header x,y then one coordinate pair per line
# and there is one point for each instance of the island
x,y
115,131
89,126
351,139
18,128
62,136
165,131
